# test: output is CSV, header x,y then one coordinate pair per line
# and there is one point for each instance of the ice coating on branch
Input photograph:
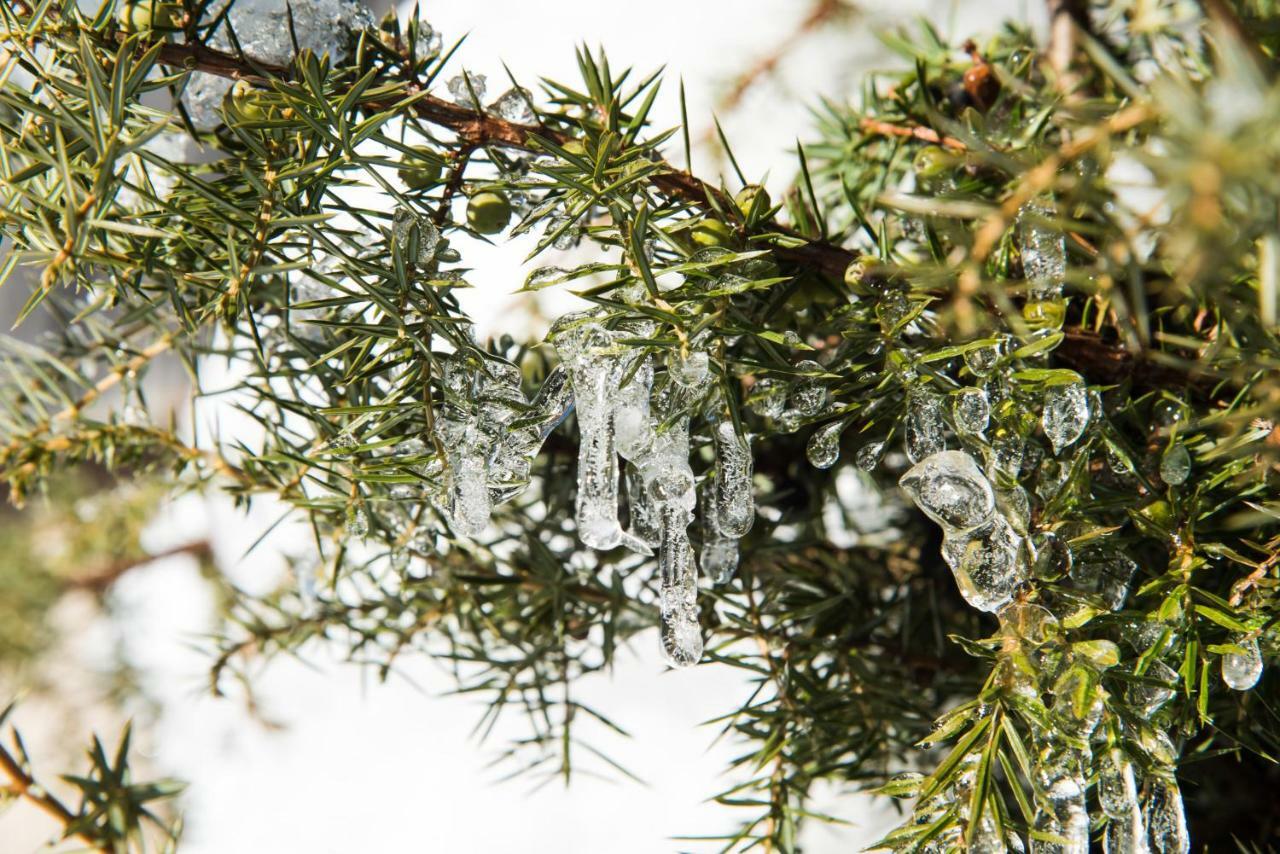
x,y
680,632
1043,248
923,424
513,105
632,421
690,370
1241,671
981,548
735,507
262,28
1066,413
1166,818
1059,785
406,226
971,410
719,555
468,90
1117,787
951,490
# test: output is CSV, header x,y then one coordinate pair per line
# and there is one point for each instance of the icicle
x,y
643,522
1066,414
1166,819
719,555
632,422
1044,261
923,424
595,372
1060,801
1117,788
690,370
824,445
1241,671
735,503
680,633
1126,834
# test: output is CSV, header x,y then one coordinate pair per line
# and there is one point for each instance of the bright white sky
x,y
365,767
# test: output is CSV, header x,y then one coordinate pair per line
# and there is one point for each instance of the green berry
x,y
488,212
421,169
933,161
144,16
245,103
747,196
711,232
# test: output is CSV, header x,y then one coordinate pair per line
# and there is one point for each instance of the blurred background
x,y
316,753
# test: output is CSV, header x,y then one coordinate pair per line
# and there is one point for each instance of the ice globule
x,y
971,410
632,420
824,445
513,105
1242,670
468,89
408,227
951,490
982,549
1175,464
1066,414
1059,784
690,369
1117,786
924,425
808,395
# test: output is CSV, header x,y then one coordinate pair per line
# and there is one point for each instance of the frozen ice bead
x,y
985,563
950,488
971,410
923,424
1166,818
735,508
468,90
1175,464
690,370
1043,249
1066,414
823,448
1242,670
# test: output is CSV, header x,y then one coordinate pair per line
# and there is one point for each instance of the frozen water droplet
x,y
1053,558
631,418
1175,464
1066,414
357,522
985,563
692,370
824,445
767,399
1166,818
808,395
403,230
869,455
971,410
981,361
1126,834
735,502
1151,695
513,105
469,96
1241,671
951,490
792,339
1016,507
923,425
1043,248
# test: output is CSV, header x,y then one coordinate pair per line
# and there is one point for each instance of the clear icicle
x,y
1150,696
719,555
643,521
680,633
1241,671
923,424
1166,818
735,503
1117,787
632,422
824,445
1066,414
690,370
1126,834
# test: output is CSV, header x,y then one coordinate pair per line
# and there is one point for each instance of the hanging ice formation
x,y
622,420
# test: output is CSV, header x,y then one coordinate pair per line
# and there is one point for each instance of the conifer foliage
x,y
964,449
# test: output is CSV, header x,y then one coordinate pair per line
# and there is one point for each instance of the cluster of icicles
x,y
492,434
